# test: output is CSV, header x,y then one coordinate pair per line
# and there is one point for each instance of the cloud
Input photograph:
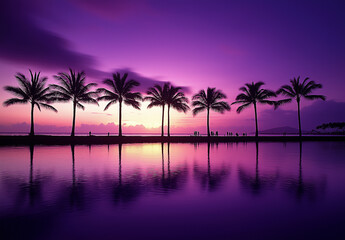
x,y
83,128
145,82
102,113
24,128
24,41
113,9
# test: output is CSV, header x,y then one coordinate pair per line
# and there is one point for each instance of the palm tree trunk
x,y
120,166
208,122
208,161
257,155
168,148
31,180
168,120
163,120
256,121
162,160
32,148
120,118
300,153
299,118
32,131
73,166
73,121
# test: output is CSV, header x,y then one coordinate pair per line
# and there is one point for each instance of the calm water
x,y
175,191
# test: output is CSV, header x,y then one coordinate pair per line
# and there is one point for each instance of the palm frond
x,y
198,110
81,106
267,102
242,107
107,98
12,101
281,102
47,106
16,91
313,97
109,104
198,103
133,103
154,104
220,107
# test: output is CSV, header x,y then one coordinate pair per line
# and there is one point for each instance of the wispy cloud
x,y
24,41
102,113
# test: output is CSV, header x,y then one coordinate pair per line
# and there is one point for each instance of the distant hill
x,y
280,130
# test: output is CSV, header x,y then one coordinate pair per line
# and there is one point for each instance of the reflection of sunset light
x,y
149,151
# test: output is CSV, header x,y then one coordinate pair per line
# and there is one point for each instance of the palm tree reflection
x,y
212,179
77,188
168,159
259,182
28,191
163,173
174,179
35,185
299,187
129,189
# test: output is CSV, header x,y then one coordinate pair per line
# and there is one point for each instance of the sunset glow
x,y
222,44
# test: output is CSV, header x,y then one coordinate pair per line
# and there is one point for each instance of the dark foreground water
x,y
175,191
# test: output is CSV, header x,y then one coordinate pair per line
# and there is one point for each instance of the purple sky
x,y
195,44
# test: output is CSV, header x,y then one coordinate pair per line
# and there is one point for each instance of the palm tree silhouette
x,y
175,98
157,97
297,90
33,92
253,95
120,92
73,87
209,100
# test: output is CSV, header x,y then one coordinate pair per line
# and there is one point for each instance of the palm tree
x,y
297,90
73,87
253,95
33,92
175,98
120,92
157,97
209,100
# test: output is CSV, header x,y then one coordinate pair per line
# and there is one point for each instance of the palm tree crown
x,y
73,88
176,99
33,91
157,96
253,94
209,100
120,91
297,90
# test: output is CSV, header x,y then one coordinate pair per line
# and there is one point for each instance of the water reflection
x,y
34,187
76,190
129,190
297,187
170,180
47,191
300,188
211,179
257,182
27,191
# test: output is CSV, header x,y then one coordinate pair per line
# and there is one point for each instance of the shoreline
x,y
10,140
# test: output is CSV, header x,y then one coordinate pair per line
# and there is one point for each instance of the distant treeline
x,y
338,125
